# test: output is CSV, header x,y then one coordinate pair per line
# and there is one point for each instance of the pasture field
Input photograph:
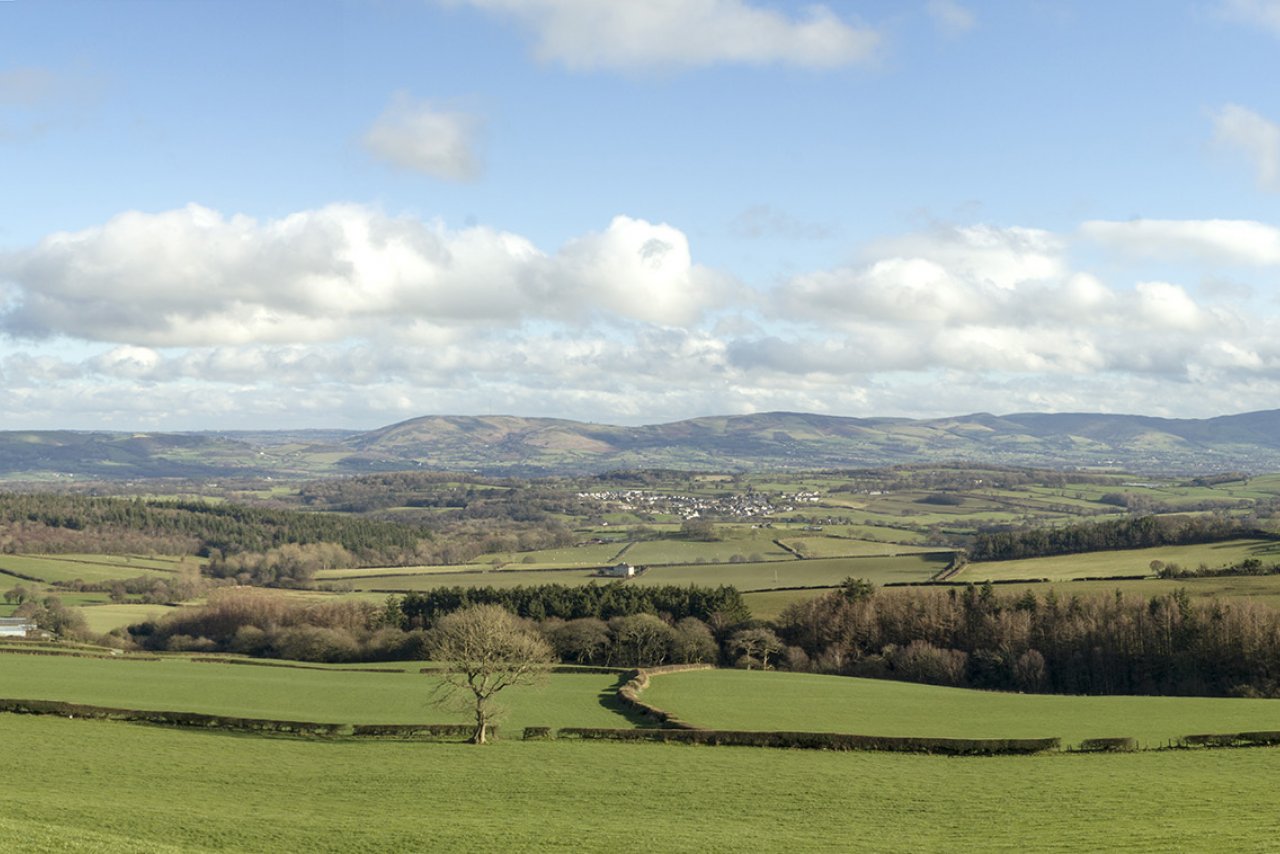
x,y
757,542
49,568
97,786
355,574
1264,589
1126,562
818,572
754,700
326,695
583,555
768,604
765,575
824,546
399,581
103,618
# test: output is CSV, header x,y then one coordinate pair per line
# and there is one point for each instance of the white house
x,y
620,570
15,627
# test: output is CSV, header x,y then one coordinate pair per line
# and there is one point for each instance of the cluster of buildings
x,y
749,506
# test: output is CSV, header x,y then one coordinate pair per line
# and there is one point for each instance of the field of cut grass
x,y
329,695
752,700
102,787
49,568
1128,562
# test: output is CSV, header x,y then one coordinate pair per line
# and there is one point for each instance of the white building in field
x,y
619,570
15,627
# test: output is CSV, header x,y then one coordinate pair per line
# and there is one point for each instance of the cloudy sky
x,y
342,213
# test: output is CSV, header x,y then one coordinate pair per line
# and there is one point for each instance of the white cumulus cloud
x,y
417,137
193,276
1217,241
682,33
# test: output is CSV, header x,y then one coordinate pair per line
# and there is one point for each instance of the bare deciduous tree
x,y
486,649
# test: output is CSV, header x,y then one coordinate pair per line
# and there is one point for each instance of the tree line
x,y
600,601
612,625
1138,533
977,638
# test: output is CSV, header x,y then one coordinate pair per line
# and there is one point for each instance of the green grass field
x,y
765,575
50,568
679,551
751,700
769,604
1128,562
333,695
819,572
817,545
97,786
103,618
1260,588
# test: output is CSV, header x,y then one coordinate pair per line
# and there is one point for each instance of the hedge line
x,y
822,740
8,650
258,663
1231,739
463,731
638,680
228,723
1108,744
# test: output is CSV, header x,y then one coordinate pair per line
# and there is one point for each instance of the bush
x,y
313,643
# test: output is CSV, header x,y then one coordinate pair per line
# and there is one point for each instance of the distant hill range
x,y
774,440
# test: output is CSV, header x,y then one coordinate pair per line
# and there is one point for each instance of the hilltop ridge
x,y
508,444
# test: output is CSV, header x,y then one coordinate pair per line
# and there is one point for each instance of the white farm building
x,y
619,570
15,627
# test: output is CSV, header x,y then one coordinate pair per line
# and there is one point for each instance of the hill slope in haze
x,y
774,440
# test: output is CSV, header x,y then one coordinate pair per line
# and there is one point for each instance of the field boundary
x,y
228,723
823,741
637,680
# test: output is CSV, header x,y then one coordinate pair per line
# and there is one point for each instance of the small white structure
x,y
619,570
15,627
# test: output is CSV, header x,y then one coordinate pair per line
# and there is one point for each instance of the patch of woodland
x,y
976,638
1130,533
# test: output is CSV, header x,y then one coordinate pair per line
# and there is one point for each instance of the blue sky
x,y
304,214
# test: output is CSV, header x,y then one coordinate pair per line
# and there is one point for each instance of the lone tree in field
x,y
484,649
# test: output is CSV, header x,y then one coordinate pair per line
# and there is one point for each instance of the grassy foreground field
x,y
107,787
326,695
752,700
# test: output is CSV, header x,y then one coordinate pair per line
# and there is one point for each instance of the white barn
x,y
15,627
619,570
